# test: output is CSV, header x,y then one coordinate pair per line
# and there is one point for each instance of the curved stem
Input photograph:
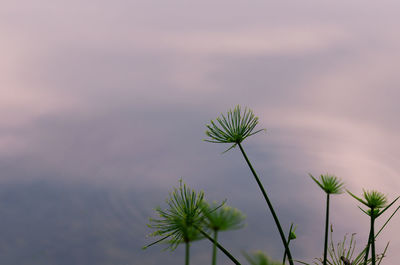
x,y
214,254
226,252
269,205
187,245
326,229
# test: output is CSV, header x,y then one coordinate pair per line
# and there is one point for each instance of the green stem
x,y
366,253
288,242
226,252
214,254
372,242
149,245
326,229
377,234
387,221
269,205
187,245
284,256
368,245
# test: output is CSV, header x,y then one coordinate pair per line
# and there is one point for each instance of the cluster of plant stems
x,y
189,217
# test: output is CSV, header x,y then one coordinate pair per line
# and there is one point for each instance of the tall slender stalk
x,y
368,246
330,184
326,229
372,239
214,254
187,246
271,208
234,128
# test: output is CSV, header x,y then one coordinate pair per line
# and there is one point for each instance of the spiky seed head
x,y
372,199
176,223
222,217
329,183
232,128
375,199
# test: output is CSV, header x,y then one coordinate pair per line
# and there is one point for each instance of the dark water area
x,y
51,223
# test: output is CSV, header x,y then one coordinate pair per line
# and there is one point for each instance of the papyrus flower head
x,y
375,201
176,224
329,183
222,218
232,128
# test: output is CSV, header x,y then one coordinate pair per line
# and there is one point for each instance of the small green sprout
x,y
292,234
233,128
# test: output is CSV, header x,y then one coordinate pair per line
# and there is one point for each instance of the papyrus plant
x,y
233,128
176,224
183,221
187,219
377,205
343,253
330,184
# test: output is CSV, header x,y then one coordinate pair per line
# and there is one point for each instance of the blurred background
x,y
103,109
